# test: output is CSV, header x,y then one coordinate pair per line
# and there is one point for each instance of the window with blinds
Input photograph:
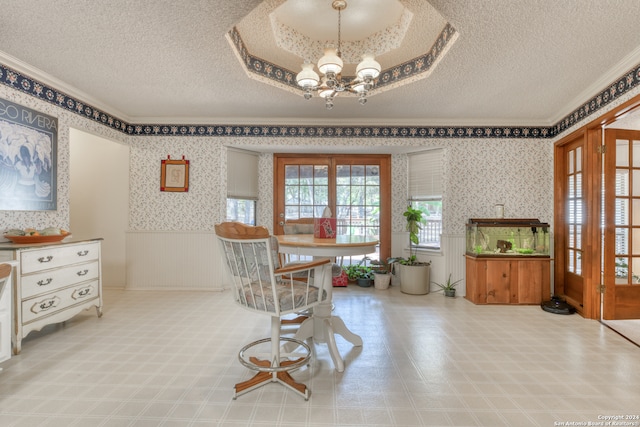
x,y
426,184
242,186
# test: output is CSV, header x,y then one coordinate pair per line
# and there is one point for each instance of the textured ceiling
x,y
514,62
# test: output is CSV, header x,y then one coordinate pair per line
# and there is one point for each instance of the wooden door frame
x,y
592,133
591,206
385,191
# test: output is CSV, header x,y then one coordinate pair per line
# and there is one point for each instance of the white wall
x,y
99,198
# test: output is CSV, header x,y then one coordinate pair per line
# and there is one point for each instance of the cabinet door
x,y
529,282
476,281
498,282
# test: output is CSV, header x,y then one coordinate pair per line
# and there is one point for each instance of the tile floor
x,y
630,329
169,359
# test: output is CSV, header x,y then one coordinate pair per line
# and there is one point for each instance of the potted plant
x,y
364,276
415,275
448,287
381,275
352,271
361,274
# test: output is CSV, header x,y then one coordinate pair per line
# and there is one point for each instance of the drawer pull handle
x,y
45,282
45,258
82,292
45,305
83,253
82,273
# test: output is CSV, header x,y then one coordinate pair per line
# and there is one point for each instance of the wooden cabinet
x,y
508,280
54,282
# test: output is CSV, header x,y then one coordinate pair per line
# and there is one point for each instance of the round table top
x,y
307,240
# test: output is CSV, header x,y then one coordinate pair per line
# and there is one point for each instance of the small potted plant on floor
x,y
448,287
364,276
361,274
381,275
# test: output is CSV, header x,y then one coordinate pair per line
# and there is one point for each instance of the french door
x,y
572,207
622,225
356,188
578,237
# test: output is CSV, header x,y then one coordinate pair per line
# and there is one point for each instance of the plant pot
x,y
451,293
415,279
364,283
381,280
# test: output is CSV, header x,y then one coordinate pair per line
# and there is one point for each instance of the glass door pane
x,y
358,199
306,190
574,211
355,188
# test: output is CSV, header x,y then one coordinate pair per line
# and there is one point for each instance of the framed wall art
x,y
28,158
174,175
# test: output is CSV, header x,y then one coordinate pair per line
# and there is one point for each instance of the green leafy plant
x,y
448,285
379,266
358,271
414,225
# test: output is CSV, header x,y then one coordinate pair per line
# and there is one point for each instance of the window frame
x,y
426,184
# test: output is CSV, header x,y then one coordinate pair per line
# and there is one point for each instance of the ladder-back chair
x,y
262,286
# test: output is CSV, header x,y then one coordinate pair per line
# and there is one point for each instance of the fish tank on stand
x,y
508,261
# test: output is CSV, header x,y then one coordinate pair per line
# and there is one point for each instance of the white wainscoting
x,y
173,260
450,259
454,248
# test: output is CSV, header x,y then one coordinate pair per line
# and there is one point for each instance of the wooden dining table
x,y
322,326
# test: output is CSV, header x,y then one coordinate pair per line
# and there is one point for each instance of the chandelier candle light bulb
x,y
331,64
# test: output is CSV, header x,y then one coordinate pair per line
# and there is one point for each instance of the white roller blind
x,y
426,174
242,174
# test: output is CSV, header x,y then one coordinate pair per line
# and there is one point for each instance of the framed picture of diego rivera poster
x,y
28,158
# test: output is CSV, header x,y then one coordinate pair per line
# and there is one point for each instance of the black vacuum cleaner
x,y
557,306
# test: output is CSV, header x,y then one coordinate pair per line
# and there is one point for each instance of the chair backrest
x,y
5,271
298,226
251,257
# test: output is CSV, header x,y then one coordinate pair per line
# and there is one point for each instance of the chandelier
x,y
330,65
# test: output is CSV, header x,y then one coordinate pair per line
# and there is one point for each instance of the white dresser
x,y
53,282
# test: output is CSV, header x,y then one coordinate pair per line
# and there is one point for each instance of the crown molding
x,y
17,75
626,65
37,74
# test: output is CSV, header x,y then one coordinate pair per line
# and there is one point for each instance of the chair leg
x,y
296,321
274,370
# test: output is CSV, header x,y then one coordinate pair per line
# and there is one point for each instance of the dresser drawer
x,y
50,280
57,256
44,305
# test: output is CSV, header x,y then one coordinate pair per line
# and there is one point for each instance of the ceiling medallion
x,y
330,65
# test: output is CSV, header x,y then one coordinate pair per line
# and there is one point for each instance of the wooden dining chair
x,y
264,287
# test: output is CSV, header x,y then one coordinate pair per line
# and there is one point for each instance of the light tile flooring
x,y
630,329
170,359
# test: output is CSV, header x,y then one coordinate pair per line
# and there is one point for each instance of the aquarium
x,y
500,237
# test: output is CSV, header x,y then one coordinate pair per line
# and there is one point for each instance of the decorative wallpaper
x,y
200,208
66,119
623,88
517,173
484,165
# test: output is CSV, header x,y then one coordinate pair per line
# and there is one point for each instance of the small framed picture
x,y
174,175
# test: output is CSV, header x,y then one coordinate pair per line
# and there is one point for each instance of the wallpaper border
x,y
18,81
